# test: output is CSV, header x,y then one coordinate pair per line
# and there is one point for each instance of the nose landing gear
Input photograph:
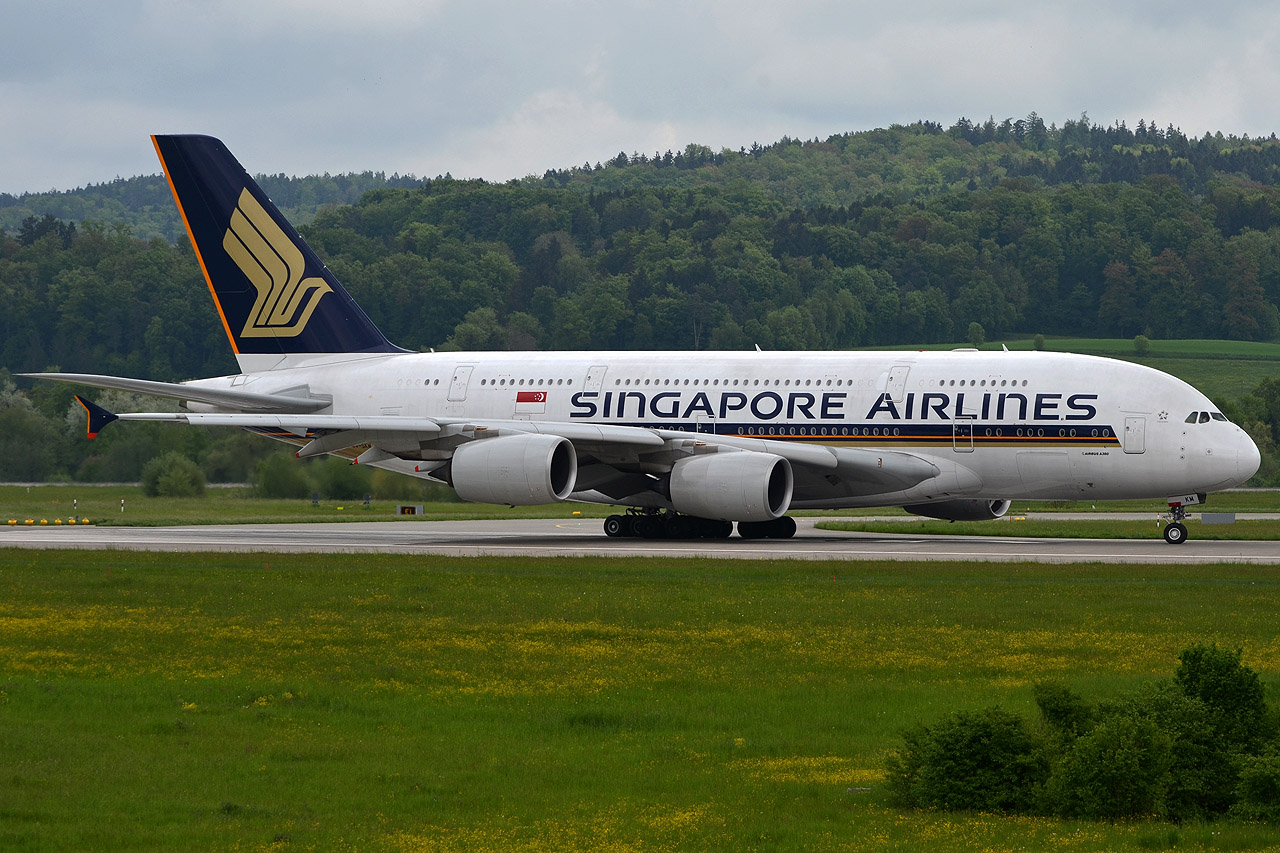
x,y
1175,532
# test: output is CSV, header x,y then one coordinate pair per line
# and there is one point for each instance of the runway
x,y
549,537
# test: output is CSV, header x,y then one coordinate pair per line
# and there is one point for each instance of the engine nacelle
x,y
961,510
514,469
742,486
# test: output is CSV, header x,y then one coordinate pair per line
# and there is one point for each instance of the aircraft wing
x,y
280,402
617,451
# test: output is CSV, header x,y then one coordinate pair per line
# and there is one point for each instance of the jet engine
x,y
741,486
515,470
961,510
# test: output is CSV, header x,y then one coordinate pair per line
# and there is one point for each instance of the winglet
x,y
98,416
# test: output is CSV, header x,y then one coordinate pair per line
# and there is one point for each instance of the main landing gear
x,y
653,524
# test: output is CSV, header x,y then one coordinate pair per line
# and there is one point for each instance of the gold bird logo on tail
x,y
275,265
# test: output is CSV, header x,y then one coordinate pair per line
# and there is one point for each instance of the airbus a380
x,y
688,442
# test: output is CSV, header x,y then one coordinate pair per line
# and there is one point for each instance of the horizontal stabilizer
x,y
98,416
174,390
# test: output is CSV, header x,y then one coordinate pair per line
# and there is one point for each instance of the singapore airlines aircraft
x,y
687,442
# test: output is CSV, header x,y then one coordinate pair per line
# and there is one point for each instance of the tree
x,y
172,475
977,336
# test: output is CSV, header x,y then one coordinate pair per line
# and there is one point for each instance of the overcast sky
x,y
501,89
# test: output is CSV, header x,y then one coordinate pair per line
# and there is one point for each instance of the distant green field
x,y
1041,527
101,505
1123,347
1222,370
321,702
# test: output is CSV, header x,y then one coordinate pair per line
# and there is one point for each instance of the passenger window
x,y
1191,418
1204,417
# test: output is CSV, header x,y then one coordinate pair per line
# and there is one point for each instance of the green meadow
x,y
101,504
318,702
1048,527
238,505
1222,370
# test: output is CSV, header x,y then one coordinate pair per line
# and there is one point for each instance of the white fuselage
x,y
1005,424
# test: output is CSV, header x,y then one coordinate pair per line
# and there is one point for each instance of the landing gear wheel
x,y
647,527
784,528
616,526
1175,533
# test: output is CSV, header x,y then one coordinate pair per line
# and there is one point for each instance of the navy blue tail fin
x,y
273,293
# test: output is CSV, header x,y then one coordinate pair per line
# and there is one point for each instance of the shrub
x,y
1258,791
1141,345
982,760
1038,342
1065,712
1234,693
1116,770
172,475
281,476
1202,770
337,479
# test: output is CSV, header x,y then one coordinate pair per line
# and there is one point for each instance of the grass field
x,y
1222,370
253,702
101,505
1060,528
237,505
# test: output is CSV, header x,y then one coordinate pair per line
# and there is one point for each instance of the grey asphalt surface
x,y
549,537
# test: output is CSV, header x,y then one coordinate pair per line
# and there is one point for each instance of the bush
x,y
1185,749
1114,771
981,760
1202,772
1141,345
1065,712
172,475
337,479
1234,693
281,476
1258,791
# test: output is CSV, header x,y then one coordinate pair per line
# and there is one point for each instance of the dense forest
x,y
904,235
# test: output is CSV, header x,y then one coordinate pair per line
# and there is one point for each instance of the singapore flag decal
x,y
531,402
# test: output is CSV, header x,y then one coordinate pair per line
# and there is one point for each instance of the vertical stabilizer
x,y
273,294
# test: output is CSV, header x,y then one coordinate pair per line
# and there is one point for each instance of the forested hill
x,y
145,208
903,235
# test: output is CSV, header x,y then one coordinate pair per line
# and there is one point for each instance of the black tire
x,y
753,529
648,527
616,526
1176,533
782,528
680,527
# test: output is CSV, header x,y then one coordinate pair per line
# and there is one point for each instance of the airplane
x,y
687,443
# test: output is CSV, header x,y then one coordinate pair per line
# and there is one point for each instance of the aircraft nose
x,y
1248,458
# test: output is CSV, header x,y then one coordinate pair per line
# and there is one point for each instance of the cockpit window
x,y
1204,417
1191,418
1218,416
